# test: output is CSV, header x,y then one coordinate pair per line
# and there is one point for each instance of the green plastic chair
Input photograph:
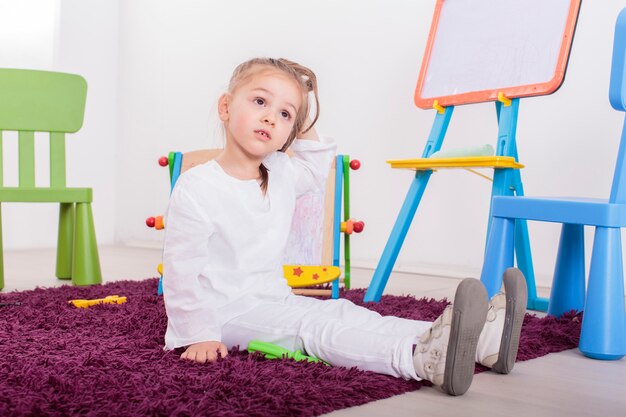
x,y
53,102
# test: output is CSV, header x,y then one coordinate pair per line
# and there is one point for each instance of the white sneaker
x,y
429,357
490,339
445,353
499,340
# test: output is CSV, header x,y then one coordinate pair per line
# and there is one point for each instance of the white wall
x,y
32,44
78,37
174,58
88,45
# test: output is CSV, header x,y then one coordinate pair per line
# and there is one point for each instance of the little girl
x,y
228,224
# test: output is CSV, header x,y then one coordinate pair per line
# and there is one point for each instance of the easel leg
x,y
337,220
411,201
394,244
508,182
346,215
498,255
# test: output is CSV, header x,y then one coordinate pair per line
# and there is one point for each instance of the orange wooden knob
x,y
347,227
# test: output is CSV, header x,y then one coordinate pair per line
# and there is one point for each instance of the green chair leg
x,y
65,242
86,263
1,254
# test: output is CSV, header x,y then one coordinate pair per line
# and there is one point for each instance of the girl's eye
x,y
259,101
285,114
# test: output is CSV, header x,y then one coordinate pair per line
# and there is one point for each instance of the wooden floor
x,y
561,384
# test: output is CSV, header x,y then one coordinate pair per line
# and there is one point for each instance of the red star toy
x,y
297,272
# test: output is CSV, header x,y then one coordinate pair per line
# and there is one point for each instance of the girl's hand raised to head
x,y
311,134
205,352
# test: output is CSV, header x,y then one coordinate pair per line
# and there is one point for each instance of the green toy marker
x,y
271,351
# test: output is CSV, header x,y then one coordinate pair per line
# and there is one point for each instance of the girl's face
x,y
259,115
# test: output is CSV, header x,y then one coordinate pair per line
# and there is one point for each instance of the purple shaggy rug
x,y
108,360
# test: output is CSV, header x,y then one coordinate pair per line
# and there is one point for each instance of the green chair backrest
x,y
40,101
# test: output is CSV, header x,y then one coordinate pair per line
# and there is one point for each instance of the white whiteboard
x,y
519,47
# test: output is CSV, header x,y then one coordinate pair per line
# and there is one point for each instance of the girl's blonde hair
x,y
304,78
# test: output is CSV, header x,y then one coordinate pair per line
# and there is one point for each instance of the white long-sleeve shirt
x,y
225,240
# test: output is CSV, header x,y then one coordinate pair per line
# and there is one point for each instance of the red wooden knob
x,y
359,226
150,221
355,164
163,161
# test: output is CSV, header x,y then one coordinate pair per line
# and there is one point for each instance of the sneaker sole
x,y
516,300
469,313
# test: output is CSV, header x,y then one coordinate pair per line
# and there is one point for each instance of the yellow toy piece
x,y
440,109
504,99
111,299
307,275
160,269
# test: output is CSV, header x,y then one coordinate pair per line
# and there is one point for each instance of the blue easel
x,y
506,181
467,44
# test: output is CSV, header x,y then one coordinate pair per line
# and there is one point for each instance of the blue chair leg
x,y
524,261
603,334
499,254
568,285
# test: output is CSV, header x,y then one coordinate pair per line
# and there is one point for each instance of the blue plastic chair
x,y
603,334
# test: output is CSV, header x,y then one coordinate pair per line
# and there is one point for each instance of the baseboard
x,y
144,244
443,271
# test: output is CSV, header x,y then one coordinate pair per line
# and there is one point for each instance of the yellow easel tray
x,y
422,164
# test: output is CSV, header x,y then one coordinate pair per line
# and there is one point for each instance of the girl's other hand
x,y
205,352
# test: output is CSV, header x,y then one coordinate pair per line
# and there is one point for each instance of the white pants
x,y
337,331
